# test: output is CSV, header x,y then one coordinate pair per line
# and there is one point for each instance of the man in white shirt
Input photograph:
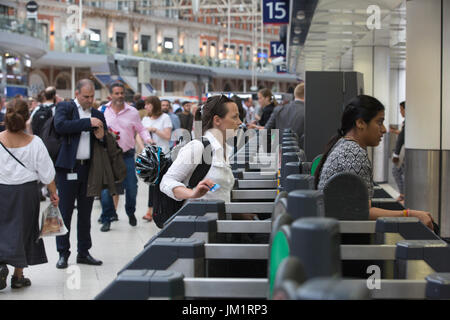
x,y
177,107
78,123
51,99
44,111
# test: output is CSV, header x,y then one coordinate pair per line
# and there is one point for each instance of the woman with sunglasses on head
x,y
219,117
159,125
267,104
361,127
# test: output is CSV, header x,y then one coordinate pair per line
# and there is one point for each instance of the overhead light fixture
x,y
296,40
300,15
297,30
10,61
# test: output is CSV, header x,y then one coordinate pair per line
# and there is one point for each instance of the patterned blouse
x,y
347,156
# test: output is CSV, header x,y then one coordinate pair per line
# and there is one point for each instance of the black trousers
x,y
68,191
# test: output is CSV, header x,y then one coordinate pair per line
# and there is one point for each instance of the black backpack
x,y
51,138
40,118
163,205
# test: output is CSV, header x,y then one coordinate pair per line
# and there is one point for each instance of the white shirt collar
x,y
216,145
80,108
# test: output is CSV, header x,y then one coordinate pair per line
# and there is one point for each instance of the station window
x,y
168,86
169,13
146,4
123,6
62,83
7,11
212,50
233,48
120,40
145,43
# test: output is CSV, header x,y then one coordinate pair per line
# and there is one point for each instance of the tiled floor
x,y
115,248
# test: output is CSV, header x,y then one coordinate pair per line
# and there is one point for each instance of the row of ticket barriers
x,y
304,243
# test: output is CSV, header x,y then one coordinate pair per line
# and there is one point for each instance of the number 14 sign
x,y
276,11
277,49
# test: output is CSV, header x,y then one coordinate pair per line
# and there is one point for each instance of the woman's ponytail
x,y
360,107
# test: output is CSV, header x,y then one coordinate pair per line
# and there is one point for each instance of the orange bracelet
x,y
406,213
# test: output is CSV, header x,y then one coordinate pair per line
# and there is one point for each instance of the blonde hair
x,y
299,91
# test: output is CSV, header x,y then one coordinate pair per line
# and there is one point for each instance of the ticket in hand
x,y
214,187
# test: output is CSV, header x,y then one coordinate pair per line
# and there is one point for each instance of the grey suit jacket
x,y
290,116
400,140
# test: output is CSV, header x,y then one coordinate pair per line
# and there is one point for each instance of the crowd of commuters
x,y
27,168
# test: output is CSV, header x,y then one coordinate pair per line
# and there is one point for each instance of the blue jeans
x,y
130,186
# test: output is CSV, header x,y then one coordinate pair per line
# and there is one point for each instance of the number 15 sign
x,y
276,11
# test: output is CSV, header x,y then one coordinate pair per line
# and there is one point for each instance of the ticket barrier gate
x,y
215,251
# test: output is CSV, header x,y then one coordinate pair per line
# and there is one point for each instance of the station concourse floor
x,y
115,248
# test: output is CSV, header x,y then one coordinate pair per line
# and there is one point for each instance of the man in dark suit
x,y
79,124
291,115
186,117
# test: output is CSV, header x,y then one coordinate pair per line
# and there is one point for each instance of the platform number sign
x,y
282,68
277,49
276,11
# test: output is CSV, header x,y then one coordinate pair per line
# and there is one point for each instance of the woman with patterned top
x,y
361,127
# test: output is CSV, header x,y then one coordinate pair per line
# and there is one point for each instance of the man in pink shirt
x,y
124,120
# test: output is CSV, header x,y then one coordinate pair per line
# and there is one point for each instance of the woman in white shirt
x,y
159,125
24,161
218,115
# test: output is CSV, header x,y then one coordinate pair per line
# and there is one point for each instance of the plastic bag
x,y
52,223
